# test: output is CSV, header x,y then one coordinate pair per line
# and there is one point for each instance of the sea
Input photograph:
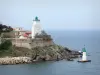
x,y
74,40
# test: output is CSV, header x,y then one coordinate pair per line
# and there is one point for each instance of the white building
x,y
84,57
36,27
21,34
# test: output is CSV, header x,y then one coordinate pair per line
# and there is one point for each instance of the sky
x,y
54,14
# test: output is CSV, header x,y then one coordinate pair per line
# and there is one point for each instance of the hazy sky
x,y
54,14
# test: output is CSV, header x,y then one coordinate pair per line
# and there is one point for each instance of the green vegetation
x,y
5,47
5,28
44,35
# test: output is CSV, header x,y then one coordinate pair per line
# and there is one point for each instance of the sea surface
x,y
72,39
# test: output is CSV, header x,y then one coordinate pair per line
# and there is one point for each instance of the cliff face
x,y
20,55
52,52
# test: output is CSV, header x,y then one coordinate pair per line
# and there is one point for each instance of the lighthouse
x,y
36,27
84,57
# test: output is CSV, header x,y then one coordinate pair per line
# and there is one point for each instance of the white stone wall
x,y
30,43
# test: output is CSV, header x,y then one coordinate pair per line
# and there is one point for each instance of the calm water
x,y
73,40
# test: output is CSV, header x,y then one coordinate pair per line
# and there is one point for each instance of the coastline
x,y
14,60
63,54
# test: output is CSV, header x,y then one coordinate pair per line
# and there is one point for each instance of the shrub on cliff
x,y
44,36
5,45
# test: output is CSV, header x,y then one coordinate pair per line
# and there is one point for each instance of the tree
x,y
5,28
43,32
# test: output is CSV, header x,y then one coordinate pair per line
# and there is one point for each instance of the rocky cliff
x,y
52,52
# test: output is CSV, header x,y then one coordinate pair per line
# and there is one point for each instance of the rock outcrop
x,y
53,52
14,60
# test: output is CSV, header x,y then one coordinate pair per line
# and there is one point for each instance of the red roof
x,y
28,33
25,35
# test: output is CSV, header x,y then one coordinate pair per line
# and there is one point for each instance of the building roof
x,y
26,34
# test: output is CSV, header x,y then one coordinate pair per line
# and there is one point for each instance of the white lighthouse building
x,y
84,56
36,27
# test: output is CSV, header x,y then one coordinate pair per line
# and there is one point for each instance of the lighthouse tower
x,y
36,27
84,57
